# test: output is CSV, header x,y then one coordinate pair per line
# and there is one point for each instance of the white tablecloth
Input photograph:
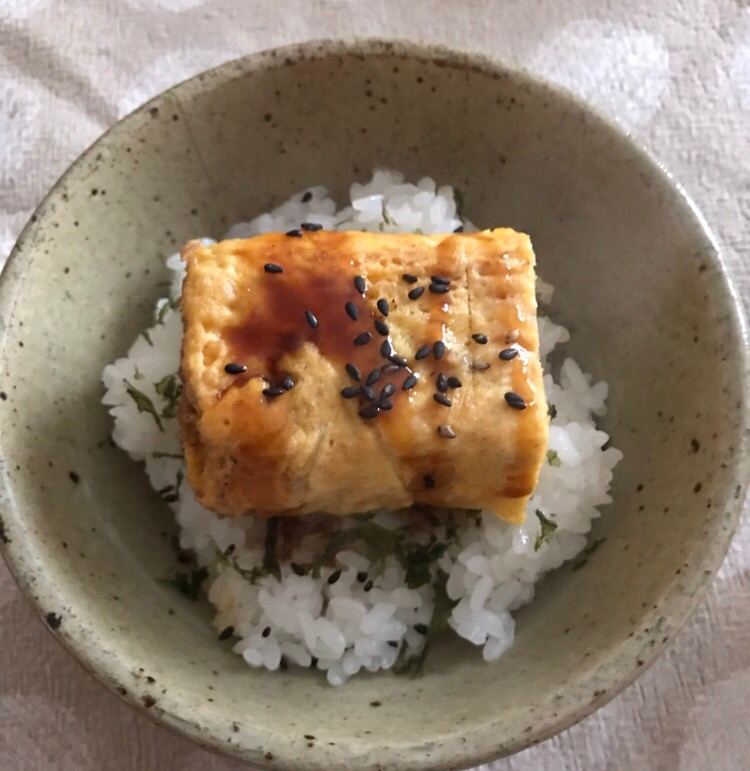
x,y
677,74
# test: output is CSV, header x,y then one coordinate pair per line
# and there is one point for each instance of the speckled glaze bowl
x,y
638,281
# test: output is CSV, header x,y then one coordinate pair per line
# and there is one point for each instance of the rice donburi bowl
x,y
372,590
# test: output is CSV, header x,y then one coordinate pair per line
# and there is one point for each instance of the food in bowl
x,y
351,589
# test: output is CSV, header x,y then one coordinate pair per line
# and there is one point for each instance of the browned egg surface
x,y
341,372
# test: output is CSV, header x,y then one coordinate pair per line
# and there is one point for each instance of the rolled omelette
x,y
346,372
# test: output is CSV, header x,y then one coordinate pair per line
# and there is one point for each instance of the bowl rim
x,y
681,601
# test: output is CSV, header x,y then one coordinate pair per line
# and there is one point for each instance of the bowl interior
x,y
638,283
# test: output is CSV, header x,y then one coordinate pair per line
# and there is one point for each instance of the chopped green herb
x,y
552,411
553,458
170,304
270,558
548,527
379,544
145,335
188,583
175,455
253,575
138,374
451,527
441,613
143,403
167,386
417,559
386,219
170,388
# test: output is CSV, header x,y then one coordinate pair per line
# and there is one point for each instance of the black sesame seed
x,y
515,400
362,576
307,197
442,383
287,382
311,319
480,338
508,353
373,377
368,394
429,481
362,338
400,360
350,392
334,577
381,327
272,267
439,288
352,311
442,399
416,293
369,412
273,391
480,365
296,233
266,632
360,285
387,391
393,643
226,633
383,306
446,432
368,586
420,628
423,352
385,404
409,278
354,372
298,569
386,349
311,227
233,368
230,549
454,382
440,280
410,382
459,229
389,369
438,349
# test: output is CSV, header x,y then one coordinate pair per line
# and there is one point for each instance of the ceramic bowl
x,y
638,281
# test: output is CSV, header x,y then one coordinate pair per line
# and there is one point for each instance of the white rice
x,y
488,569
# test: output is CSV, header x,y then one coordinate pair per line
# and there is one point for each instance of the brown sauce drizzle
x,y
322,283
